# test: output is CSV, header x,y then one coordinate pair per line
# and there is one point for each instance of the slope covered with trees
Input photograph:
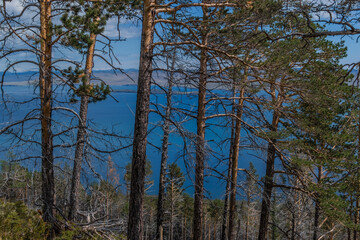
x,y
239,79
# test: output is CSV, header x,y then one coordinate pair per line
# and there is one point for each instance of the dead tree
x,y
164,147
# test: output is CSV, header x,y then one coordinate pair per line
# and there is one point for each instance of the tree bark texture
x,y
135,223
81,134
268,183
234,168
224,223
200,149
270,164
356,212
45,82
164,155
198,219
316,219
268,186
172,209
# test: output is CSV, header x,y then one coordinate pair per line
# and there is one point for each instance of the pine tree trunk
x,y
317,206
81,135
268,186
224,227
227,188
270,164
209,231
247,218
137,187
200,141
224,223
45,82
215,231
164,155
356,214
238,228
316,219
234,168
293,226
172,212
200,149
184,235
273,218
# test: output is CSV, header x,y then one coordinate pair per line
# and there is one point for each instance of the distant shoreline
x,y
156,91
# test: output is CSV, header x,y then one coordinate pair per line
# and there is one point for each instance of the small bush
x,y
18,222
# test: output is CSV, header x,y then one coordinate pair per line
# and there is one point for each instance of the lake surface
x,y
116,114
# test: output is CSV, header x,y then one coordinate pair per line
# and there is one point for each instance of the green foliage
x,y
20,223
79,234
82,18
215,209
319,122
17,222
77,79
187,204
14,179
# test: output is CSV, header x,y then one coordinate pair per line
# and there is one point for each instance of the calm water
x,y
118,115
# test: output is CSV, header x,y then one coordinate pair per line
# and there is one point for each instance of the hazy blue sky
x,y
128,51
353,49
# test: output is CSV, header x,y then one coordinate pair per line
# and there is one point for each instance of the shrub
x,y
18,222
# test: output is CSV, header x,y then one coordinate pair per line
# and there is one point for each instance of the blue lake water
x,y
118,115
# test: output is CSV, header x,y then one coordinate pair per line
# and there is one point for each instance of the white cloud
x,y
127,30
15,6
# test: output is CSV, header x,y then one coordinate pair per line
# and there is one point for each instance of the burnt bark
x,y
137,186
81,134
45,83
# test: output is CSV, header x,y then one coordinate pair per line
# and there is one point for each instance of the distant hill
x,y
19,78
110,77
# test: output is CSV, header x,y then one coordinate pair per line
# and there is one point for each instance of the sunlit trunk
x,y
81,135
45,83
